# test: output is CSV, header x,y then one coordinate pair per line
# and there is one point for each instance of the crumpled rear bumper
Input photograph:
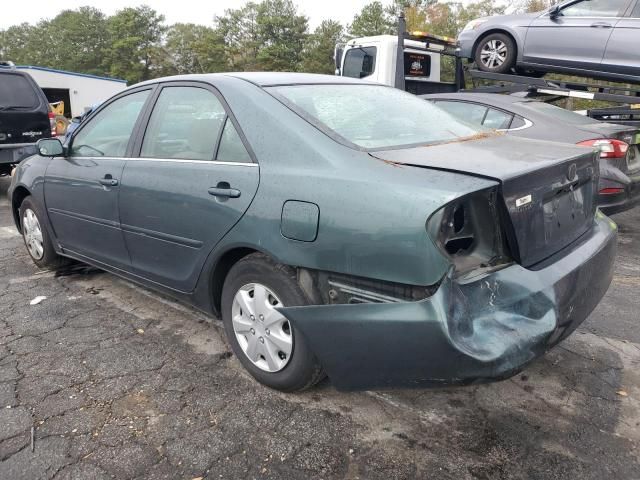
x,y
483,330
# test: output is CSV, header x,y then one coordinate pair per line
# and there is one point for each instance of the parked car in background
x,y
586,37
399,249
619,187
25,116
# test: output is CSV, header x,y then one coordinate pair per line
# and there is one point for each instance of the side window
x,y
359,62
107,134
185,124
497,119
469,112
636,11
518,122
231,148
595,8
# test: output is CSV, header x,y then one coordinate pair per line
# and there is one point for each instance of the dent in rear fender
x,y
485,329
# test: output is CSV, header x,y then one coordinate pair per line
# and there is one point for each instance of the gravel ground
x,y
118,382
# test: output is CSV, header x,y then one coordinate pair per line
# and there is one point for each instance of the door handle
x,y
108,181
601,25
225,192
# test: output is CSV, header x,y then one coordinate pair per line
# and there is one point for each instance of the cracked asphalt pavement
x,y
118,382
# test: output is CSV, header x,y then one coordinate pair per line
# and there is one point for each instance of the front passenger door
x,y
81,190
192,182
577,37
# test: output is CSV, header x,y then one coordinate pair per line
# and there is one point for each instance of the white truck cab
x,y
374,59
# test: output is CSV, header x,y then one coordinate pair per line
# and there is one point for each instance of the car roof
x,y
267,79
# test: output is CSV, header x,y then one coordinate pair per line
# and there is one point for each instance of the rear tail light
x,y
52,123
611,191
609,147
468,231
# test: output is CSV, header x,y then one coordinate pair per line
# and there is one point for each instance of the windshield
x,y
562,114
16,92
374,116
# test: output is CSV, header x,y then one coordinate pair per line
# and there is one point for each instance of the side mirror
x,y
50,147
555,12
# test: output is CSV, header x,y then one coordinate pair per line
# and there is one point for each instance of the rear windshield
x,y
16,91
374,117
562,114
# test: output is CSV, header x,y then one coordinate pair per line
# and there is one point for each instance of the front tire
x,y
264,341
496,53
36,237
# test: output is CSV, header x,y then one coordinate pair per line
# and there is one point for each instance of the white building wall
x,y
84,91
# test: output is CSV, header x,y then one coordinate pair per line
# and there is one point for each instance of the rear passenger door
x,y
192,180
622,54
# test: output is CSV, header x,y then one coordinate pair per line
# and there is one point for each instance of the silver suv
x,y
597,38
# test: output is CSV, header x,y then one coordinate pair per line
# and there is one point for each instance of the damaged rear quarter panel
x,y
483,329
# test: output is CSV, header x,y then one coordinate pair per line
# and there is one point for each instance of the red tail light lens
x,y
609,147
52,123
611,191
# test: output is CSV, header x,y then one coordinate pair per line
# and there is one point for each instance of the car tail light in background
x,y
611,191
609,147
52,122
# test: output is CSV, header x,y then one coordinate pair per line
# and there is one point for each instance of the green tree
x,y
18,44
373,19
191,48
239,29
263,36
282,32
77,40
319,48
136,35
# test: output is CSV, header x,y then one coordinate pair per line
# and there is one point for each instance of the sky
x,y
187,11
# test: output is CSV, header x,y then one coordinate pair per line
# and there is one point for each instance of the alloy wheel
x,y
33,234
263,333
493,54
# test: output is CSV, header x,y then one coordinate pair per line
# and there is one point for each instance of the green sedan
x,y
339,228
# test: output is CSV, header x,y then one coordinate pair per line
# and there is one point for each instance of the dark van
x,y
24,116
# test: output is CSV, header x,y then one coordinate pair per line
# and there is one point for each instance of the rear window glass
x,y
16,91
562,114
374,117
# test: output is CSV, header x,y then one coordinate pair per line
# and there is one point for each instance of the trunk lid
x,y
548,189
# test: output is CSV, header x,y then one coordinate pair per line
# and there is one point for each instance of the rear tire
x,y
36,237
264,341
495,53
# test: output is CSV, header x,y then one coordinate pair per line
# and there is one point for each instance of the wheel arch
x,y
221,269
17,197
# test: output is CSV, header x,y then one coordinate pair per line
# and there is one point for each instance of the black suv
x,y
24,116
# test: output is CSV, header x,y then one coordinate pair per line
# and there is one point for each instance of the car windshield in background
x,y
560,113
16,92
375,117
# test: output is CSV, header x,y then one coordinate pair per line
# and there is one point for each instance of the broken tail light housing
x,y
609,147
469,232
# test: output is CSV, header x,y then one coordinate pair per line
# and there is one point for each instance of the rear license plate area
x,y
565,213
